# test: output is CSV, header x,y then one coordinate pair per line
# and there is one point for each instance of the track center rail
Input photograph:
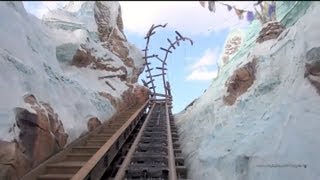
x,y
151,155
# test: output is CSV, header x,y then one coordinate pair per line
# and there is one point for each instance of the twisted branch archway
x,y
163,68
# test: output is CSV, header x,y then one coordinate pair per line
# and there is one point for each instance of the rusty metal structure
x,y
151,78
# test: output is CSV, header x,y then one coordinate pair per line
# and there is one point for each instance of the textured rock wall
x,y
271,129
312,66
241,79
60,78
41,134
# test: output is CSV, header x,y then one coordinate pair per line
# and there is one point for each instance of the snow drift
x,y
271,130
58,73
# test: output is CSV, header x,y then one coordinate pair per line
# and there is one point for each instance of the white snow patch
x,y
73,6
274,123
28,63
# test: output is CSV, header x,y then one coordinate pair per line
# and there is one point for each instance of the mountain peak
x,y
73,6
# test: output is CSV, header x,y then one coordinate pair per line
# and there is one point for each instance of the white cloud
x,y
206,60
200,69
188,16
202,74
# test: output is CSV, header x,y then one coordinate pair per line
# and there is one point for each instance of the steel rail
x,y
171,158
85,170
41,169
121,172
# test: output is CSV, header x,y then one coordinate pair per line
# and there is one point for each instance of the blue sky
x,y
190,68
182,62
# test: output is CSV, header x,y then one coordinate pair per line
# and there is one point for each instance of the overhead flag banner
x,y
203,3
212,6
267,10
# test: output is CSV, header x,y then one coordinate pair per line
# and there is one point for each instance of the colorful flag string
x,y
267,10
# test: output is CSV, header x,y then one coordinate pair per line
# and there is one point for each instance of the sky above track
x,y
191,69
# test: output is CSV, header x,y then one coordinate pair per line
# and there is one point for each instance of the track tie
x,y
79,156
65,167
55,177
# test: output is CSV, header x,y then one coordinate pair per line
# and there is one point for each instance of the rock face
x,y
41,135
100,28
46,119
239,82
131,96
13,163
76,58
270,30
86,58
109,20
271,130
41,132
110,32
137,95
312,71
141,93
93,123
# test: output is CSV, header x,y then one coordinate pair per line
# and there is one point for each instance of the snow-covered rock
x,y
270,30
96,27
271,130
43,58
75,15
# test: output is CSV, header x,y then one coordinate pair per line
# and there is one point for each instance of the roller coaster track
x,y
134,145
139,143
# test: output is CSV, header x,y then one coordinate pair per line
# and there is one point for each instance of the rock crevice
x,y
240,81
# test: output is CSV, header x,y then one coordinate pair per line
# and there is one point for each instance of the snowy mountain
x,y
75,15
57,74
259,119
74,6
